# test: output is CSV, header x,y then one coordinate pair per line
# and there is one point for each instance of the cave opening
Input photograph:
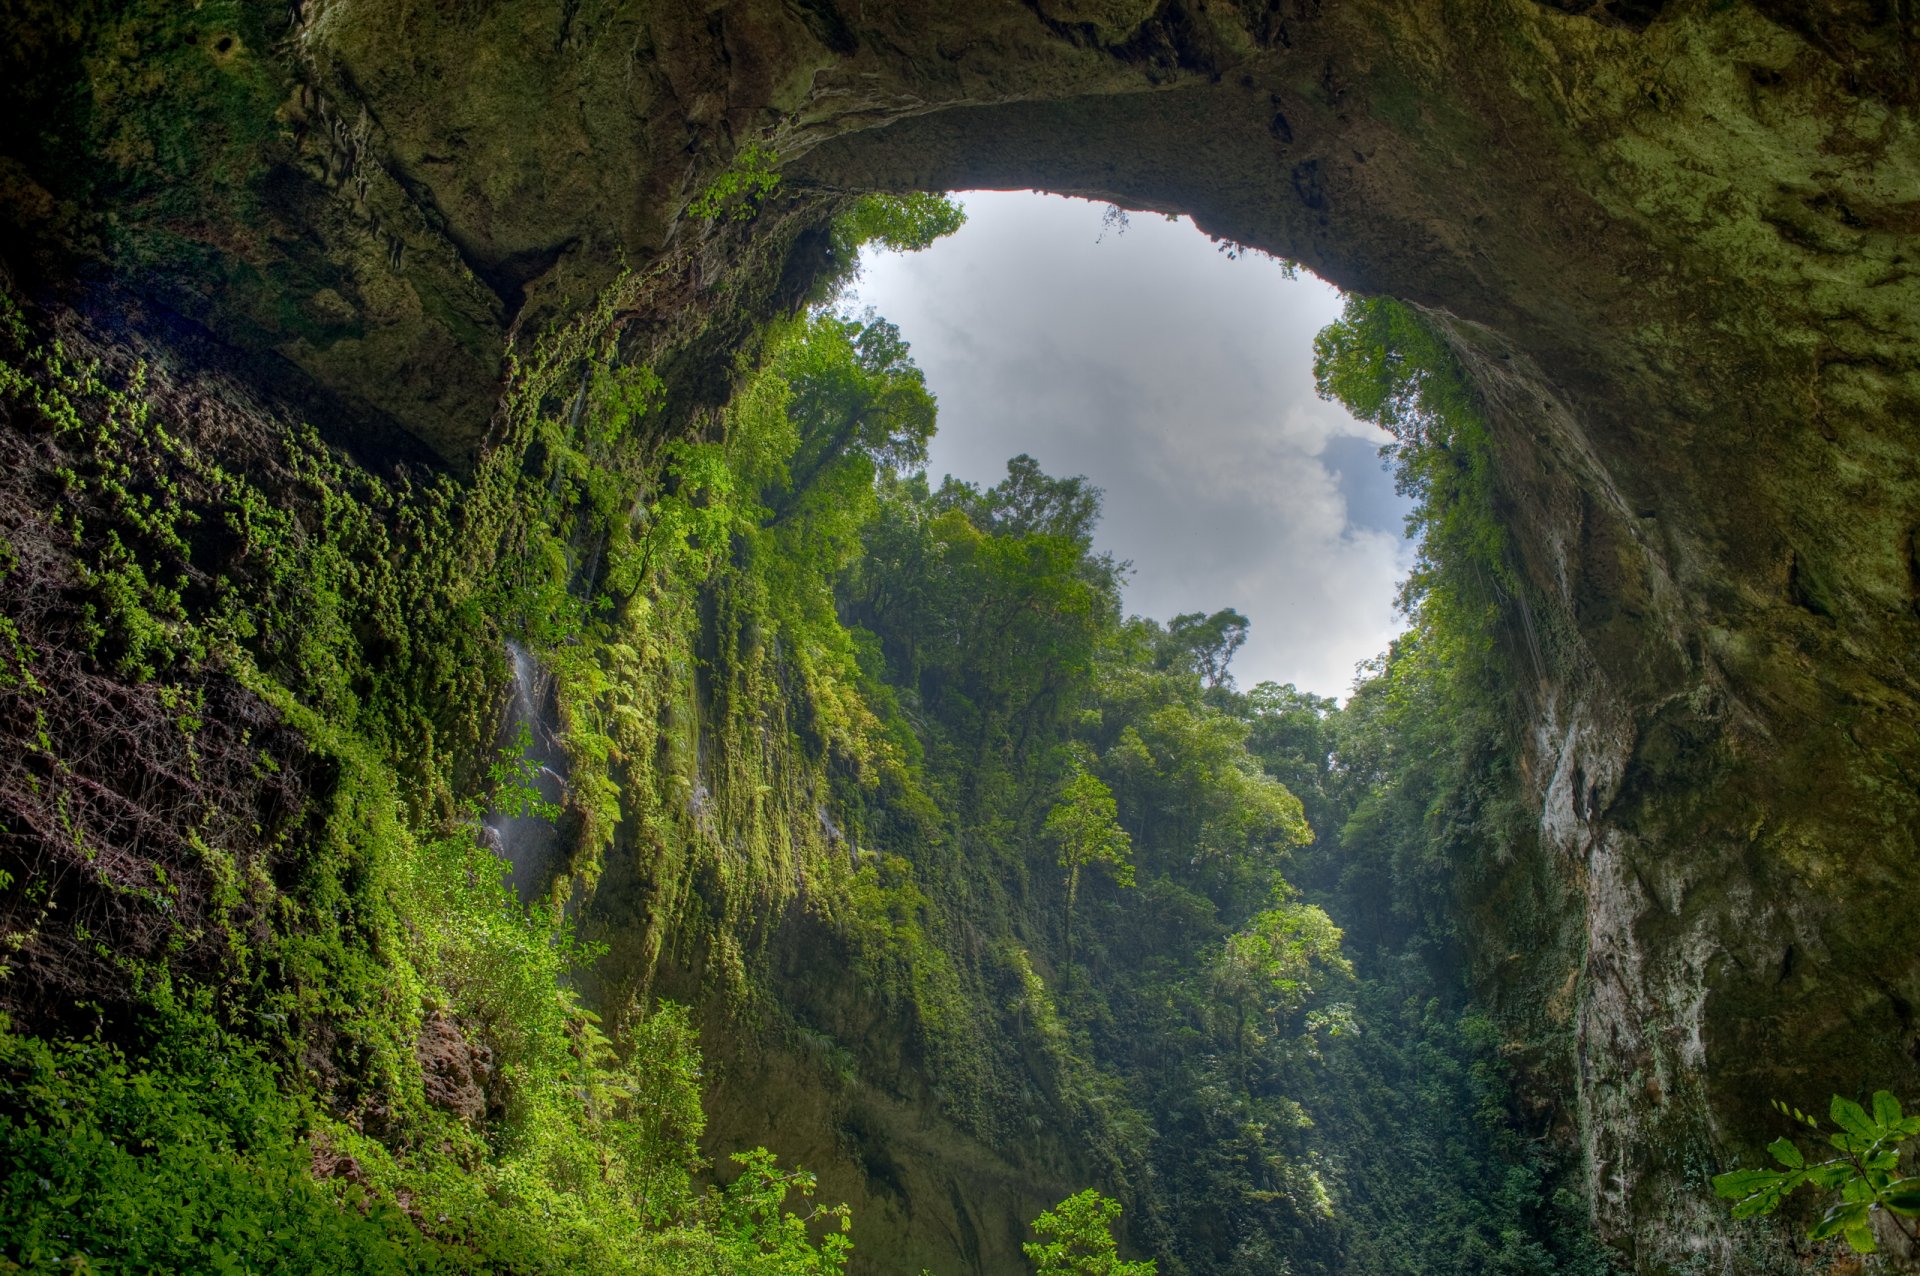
x,y
1670,248
1174,371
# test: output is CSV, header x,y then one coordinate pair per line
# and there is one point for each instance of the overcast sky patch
x,y
1180,381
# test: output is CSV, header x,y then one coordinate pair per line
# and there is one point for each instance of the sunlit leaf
x,y
1758,1204
1853,1118
1739,1184
1830,1175
1886,1108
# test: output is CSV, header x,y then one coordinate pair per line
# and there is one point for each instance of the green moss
x,y
286,1092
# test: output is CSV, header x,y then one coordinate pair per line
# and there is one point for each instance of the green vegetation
x,y
1072,867
1076,1239
1387,366
1425,791
1085,825
1264,1088
904,223
737,193
1866,1174
338,1033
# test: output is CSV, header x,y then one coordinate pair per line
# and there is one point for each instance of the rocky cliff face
x,y
1677,245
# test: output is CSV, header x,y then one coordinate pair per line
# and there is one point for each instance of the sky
x,y
1180,381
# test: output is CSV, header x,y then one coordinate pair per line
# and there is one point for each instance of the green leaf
x,y
1758,1204
1902,1196
1853,1118
1861,1238
1739,1184
1767,1190
1786,1153
1838,1219
1886,1108
1830,1175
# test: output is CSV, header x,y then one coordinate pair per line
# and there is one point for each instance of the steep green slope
x,y
271,997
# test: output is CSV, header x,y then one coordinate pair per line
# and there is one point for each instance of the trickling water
x,y
528,842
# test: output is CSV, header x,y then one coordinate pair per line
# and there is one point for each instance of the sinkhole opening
x,y
1175,373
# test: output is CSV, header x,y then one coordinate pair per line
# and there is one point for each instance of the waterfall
x,y
529,843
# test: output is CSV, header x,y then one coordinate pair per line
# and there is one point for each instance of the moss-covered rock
x,y
1674,245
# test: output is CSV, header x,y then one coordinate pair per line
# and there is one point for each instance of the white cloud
x,y
1179,381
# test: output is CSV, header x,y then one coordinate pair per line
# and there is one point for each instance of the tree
x,y
747,1231
1388,365
853,393
903,223
1292,733
1206,643
1028,502
1085,823
1076,1239
1277,961
1206,813
899,223
994,627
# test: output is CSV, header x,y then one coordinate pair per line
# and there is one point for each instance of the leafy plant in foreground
x,y
1076,1239
1866,1173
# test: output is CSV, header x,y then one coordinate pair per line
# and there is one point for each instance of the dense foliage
x,y
1076,1239
273,996
1270,1091
1424,784
1197,941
